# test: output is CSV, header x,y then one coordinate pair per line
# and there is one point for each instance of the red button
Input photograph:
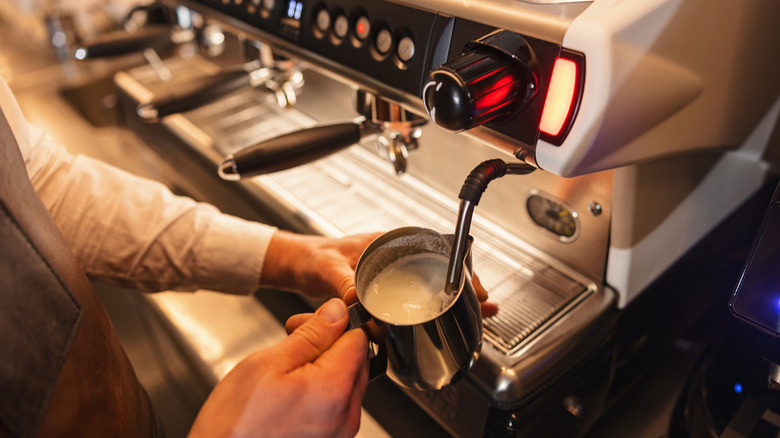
x,y
362,28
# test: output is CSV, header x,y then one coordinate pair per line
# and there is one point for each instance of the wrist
x,y
286,253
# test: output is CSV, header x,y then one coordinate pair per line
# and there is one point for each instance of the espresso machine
x,y
651,125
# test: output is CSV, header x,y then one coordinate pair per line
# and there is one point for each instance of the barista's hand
x,y
321,267
309,385
318,267
488,309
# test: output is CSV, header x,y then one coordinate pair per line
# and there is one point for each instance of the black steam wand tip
x,y
470,194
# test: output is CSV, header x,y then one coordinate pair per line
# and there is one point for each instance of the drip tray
x,y
527,303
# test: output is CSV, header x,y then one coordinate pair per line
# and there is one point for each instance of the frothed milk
x,y
410,290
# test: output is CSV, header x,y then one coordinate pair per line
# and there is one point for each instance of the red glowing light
x,y
361,28
560,97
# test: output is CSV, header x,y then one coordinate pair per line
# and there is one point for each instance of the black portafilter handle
x,y
294,149
121,42
470,194
194,94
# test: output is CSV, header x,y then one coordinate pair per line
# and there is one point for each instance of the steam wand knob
x,y
491,79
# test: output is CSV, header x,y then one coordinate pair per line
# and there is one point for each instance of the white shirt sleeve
x,y
134,232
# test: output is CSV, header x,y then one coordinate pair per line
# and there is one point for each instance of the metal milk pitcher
x,y
435,352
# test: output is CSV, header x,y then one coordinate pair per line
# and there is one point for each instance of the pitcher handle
x,y
358,316
377,352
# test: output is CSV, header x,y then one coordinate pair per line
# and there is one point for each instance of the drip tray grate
x,y
526,303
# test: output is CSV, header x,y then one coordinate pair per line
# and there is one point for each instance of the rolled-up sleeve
x,y
132,231
135,232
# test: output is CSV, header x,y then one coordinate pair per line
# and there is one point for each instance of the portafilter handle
x,y
153,26
120,42
294,149
194,94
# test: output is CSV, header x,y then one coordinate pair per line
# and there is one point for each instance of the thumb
x,y
307,342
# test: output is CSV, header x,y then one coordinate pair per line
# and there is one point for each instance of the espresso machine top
x,y
597,85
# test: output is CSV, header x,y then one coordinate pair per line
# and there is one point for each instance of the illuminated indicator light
x,y
298,9
294,8
559,97
487,75
738,388
361,27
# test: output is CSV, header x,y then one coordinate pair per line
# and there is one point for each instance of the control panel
x,y
409,54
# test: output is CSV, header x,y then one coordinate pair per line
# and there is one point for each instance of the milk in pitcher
x,y
410,290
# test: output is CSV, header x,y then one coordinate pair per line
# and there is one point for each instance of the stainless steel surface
x,y
400,128
432,354
389,114
568,327
228,170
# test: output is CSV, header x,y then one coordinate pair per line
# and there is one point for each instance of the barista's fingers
x,y
314,336
346,287
296,321
488,309
361,382
482,294
348,355
350,296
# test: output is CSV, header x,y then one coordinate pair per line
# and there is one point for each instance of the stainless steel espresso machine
x,y
652,125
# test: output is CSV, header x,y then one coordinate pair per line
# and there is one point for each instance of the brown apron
x,y
62,369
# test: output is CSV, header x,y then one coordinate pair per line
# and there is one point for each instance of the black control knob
x,y
492,78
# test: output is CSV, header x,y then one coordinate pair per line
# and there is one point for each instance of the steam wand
x,y
470,194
